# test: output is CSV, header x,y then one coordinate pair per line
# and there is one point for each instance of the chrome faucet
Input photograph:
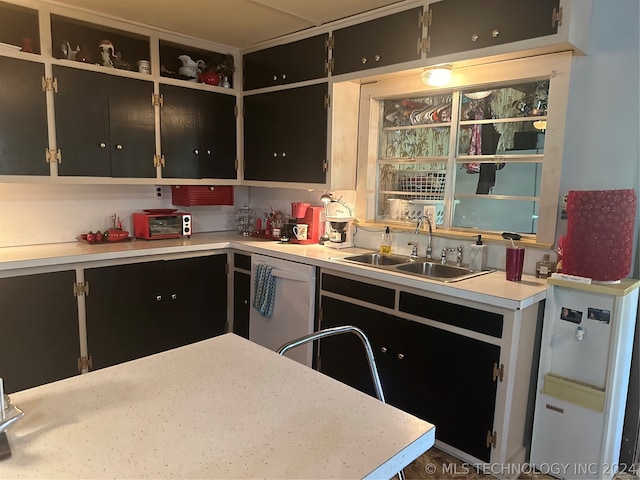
x,y
418,225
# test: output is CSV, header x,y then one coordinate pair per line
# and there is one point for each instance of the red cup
x,y
515,262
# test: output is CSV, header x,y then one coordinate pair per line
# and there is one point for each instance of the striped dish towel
x,y
265,289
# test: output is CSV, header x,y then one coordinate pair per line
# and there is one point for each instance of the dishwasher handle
x,y
286,274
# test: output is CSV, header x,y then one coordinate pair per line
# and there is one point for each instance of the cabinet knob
x,y
284,76
377,58
401,356
158,298
284,154
196,151
495,33
208,152
364,60
119,147
383,349
474,38
275,154
246,302
275,77
103,145
173,296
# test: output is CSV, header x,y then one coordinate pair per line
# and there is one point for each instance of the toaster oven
x,y
161,223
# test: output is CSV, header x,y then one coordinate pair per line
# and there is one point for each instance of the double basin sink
x,y
421,267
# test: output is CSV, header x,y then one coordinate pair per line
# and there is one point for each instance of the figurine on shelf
x,y
189,68
69,53
107,52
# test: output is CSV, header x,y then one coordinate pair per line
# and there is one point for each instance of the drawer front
x,y
461,316
375,294
242,261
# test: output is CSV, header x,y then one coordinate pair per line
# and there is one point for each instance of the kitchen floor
x,y
436,464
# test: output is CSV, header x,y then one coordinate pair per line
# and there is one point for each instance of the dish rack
x,y
427,184
245,221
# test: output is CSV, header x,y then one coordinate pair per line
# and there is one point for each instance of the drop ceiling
x,y
236,23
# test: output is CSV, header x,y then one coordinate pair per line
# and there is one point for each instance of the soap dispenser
x,y
478,255
385,244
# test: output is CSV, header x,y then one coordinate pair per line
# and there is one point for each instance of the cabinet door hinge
x,y
157,99
320,314
236,164
235,110
425,18
498,372
492,439
327,100
52,155
158,161
81,288
49,84
556,17
325,166
85,363
329,42
424,45
226,269
328,66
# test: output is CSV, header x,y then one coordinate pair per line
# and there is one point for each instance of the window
x,y
482,156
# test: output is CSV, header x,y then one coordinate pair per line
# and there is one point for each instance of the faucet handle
x,y
414,250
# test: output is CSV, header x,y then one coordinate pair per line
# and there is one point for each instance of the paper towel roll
x,y
600,234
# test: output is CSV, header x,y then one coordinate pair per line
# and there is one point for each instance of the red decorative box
x,y
190,195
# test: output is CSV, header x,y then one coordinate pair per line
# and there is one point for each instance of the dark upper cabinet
x,y
198,133
144,308
104,124
40,341
23,118
289,63
462,25
285,135
377,43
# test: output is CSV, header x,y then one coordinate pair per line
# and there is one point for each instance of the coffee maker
x,y
341,226
305,214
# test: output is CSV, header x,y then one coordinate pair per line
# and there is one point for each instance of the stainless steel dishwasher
x,y
293,306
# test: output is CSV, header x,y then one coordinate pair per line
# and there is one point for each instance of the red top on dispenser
x,y
599,239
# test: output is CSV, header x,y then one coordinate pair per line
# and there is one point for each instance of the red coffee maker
x,y
310,216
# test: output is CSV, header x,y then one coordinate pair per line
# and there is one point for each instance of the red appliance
x,y
161,223
599,240
190,195
312,217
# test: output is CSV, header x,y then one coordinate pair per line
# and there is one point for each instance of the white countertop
x,y
221,408
492,288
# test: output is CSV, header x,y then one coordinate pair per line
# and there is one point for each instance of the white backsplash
x,y
32,214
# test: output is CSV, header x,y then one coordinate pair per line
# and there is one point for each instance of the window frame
x,y
492,74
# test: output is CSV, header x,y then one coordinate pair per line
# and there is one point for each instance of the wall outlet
x,y
157,192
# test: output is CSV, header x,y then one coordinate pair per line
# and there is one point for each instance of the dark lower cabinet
x,y
463,25
241,303
23,118
139,309
442,377
198,133
105,125
285,135
39,340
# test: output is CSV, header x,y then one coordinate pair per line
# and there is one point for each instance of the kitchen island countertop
x,y
220,408
491,288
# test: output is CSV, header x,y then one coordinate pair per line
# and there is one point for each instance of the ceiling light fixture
x,y
478,95
437,76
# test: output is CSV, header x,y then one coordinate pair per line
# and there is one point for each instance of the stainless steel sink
x,y
376,259
424,268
